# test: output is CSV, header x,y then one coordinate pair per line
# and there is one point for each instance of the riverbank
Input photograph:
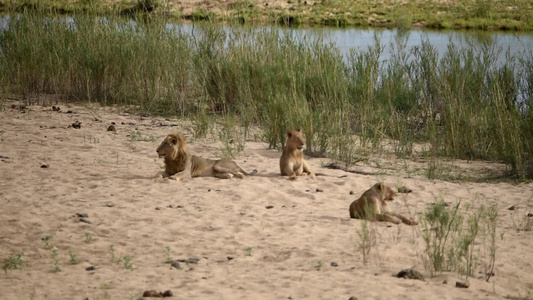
x,y
85,218
440,14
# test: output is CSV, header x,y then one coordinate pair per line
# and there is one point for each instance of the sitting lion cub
x,y
179,163
292,162
372,206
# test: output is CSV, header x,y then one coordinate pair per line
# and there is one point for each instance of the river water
x,y
355,39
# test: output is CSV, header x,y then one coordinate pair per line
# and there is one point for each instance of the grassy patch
x,y
468,14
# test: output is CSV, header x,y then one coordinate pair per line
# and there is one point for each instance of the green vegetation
x,y
459,241
439,14
55,258
13,262
460,104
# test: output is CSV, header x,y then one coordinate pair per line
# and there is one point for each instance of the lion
x,y
372,206
179,163
292,162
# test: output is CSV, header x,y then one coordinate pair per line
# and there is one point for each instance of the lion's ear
x,y
173,140
289,133
299,130
380,186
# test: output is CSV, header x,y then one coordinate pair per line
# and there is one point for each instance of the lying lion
x,y
372,206
292,162
179,163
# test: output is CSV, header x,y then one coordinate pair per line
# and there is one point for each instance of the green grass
x,y
467,14
459,239
275,81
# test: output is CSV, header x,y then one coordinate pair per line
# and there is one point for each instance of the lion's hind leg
x,y
227,173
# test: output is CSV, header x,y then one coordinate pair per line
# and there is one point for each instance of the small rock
x,y
69,111
176,265
113,123
167,293
447,204
269,206
109,204
351,192
192,260
55,108
404,189
353,298
445,282
91,268
460,284
85,221
512,207
230,257
158,208
44,166
179,206
319,190
410,274
334,264
76,125
111,128
80,215
530,215
152,293
389,225
170,206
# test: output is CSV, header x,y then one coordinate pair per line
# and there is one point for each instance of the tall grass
x,y
463,103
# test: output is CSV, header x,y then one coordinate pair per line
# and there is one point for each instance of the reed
x,y
463,104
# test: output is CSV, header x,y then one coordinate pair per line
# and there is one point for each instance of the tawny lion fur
x,y
179,163
292,162
372,206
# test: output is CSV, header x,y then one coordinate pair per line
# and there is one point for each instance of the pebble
x,y
319,190
85,221
404,189
334,264
76,125
512,207
230,257
269,206
460,284
175,264
91,268
410,274
44,166
111,128
82,215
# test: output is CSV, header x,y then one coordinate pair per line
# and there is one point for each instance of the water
x,y
353,39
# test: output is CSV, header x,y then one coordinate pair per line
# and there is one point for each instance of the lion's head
x,y
173,147
385,192
295,139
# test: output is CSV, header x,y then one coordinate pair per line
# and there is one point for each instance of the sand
x,y
304,246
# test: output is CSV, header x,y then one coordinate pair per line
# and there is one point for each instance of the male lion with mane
x,y
372,206
179,163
